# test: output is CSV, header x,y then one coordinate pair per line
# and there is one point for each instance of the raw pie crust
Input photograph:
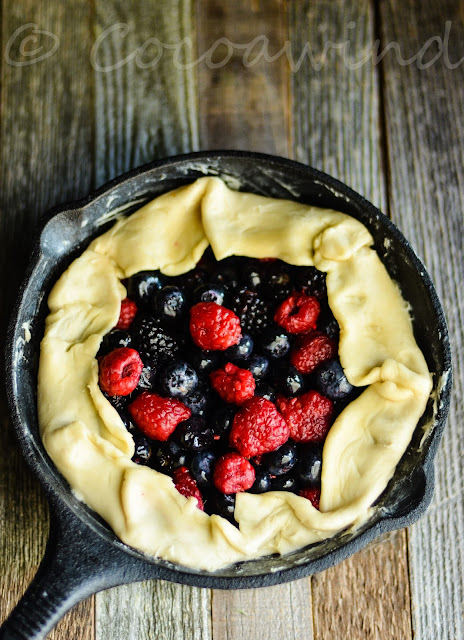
x,y
89,444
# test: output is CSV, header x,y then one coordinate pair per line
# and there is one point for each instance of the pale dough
x,y
89,444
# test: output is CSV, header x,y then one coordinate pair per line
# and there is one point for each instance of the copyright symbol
x,y
24,47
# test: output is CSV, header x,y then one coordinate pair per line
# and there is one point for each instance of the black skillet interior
x,y
66,232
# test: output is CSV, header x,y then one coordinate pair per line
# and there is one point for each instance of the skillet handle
x,y
76,564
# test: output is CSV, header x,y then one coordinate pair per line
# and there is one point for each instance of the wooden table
x,y
369,92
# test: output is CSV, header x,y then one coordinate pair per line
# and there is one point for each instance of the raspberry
x,y
258,428
308,416
311,494
233,384
158,417
119,371
298,313
187,486
126,314
313,349
214,327
233,473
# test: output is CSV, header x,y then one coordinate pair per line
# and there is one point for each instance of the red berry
x,y
158,417
213,327
311,494
119,371
312,350
187,486
126,314
258,428
298,313
233,473
308,416
233,384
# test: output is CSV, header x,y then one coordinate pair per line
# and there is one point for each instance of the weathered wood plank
x,y
45,159
145,109
145,91
425,135
243,98
283,612
337,128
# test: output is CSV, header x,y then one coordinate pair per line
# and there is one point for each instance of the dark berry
x,y
311,281
258,365
327,323
262,481
275,342
222,421
191,280
115,339
286,379
170,304
168,456
226,276
147,378
214,327
119,371
233,384
119,403
284,483
240,351
265,390
253,275
331,380
198,400
178,379
153,340
194,434
258,428
143,286
224,505
309,466
282,460
279,281
201,468
142,453
233,473
252,311
209,292
204,361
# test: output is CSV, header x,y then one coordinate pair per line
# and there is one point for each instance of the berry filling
x,y
228,377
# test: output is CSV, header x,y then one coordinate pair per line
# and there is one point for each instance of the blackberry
x,y
153,341
253,311
115,339
311,281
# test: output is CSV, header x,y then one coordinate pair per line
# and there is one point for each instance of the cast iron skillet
x,y
83,555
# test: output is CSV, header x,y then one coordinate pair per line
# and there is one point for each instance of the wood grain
x,y
424,103
45,159
145,109
337,128
243,99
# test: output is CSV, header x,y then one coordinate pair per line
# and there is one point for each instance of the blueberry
x,y
326,322
204,361
284,483
227,276
210,292
147,378
202,467
119,403
331,380
191,280
258,365
194,434
142,453
198,401
282,460
115,339
265,391
240,351
279,281
143,286
178,379
170,304
287,379
309,466
168,457
262,481
222,421
224,505
275,342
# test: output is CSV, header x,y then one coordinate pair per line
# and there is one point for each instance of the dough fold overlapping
x,y
89,444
